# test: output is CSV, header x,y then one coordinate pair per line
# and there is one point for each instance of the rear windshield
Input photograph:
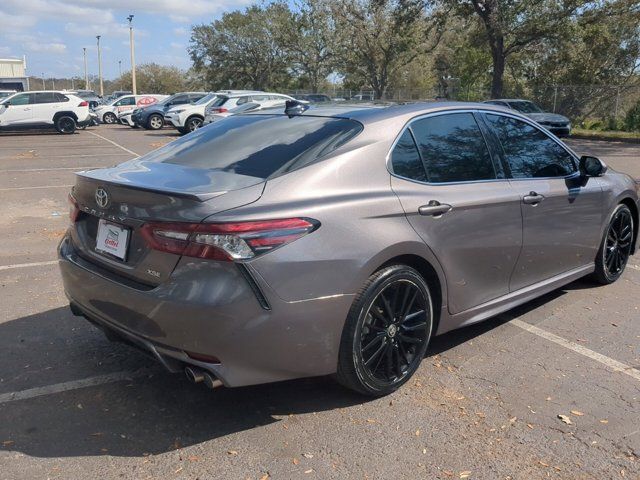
x,y
206,98
525,107
261,146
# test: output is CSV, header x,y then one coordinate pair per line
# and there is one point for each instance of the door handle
x,y
434,208
533,198
27,109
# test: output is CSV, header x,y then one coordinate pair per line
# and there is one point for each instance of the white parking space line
x,y
73,385
614,365
33,188
45,169
114,143
26,265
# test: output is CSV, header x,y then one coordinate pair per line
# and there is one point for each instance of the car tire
x,y
193,123
110,118
155,122
386,333
66,124
616,246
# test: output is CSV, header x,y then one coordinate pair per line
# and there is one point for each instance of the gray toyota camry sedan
x,y
337,239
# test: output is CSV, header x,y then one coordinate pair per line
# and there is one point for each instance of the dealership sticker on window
x,y
112,239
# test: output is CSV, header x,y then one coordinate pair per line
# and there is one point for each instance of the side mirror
x,y
6,104
592,166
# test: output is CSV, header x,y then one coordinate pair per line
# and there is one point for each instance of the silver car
x,y
272,246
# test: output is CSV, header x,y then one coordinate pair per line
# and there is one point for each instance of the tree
x,y
380,37
513,26
241,49
308,36
153,78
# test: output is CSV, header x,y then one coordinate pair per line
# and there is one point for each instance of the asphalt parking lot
x,y
485,403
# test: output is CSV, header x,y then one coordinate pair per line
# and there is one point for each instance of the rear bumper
x,y
212,309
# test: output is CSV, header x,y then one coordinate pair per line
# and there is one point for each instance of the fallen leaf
x,y
577,413
542,463
465,474
565,419
232,452
97,434
307,455
448,473
309,471
285,426
193,458
530,426
371,420
513,420
296,461
265,477
604,421
417,433
178,470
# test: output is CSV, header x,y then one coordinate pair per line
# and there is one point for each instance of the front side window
x,y
528,151
125,101
22,99
405,159
453,148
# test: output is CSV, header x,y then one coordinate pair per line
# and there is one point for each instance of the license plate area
x,y
112,239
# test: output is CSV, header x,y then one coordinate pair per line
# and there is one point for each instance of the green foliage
x,y
153,78
632,119
241,50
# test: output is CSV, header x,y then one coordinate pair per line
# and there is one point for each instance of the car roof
x,y
376,112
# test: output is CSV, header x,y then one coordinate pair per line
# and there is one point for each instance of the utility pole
x,y
133,61
86,75
43,85
53,83
100,66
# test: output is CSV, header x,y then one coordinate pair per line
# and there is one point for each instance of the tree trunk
x,y
497,77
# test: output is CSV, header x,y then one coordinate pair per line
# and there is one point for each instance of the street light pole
x,y
100,66
86,75
133,61
43,86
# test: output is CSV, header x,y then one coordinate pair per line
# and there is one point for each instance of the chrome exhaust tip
x,y
211,382
194,375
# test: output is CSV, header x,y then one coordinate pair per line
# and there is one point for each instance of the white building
x,y
13,74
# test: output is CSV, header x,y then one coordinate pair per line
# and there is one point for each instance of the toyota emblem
x,y
102,197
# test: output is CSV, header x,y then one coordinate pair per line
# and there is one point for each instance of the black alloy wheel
x,y
65,125
616,247
387,331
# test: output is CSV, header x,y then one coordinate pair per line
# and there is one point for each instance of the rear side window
x,y
528,151
125,101
62,98
405,159
453,148
46,97
262,146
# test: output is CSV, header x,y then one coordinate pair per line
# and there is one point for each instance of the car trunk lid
x,y
138,192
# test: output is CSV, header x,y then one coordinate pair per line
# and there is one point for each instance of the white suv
x,y
63,111
187,118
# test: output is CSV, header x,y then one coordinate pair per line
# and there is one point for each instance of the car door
x,y
19,112
561,211
457,198
124,104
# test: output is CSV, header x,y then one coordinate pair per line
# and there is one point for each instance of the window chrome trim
x,y
479,111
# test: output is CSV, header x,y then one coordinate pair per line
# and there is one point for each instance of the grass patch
x,y
605,134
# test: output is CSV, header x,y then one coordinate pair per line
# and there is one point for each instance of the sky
x,y
52,33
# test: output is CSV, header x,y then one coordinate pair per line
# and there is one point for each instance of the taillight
x,y
74,210
226,241
83,104
220,110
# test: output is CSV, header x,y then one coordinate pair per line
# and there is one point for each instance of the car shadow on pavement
x,y
159,412
153,414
